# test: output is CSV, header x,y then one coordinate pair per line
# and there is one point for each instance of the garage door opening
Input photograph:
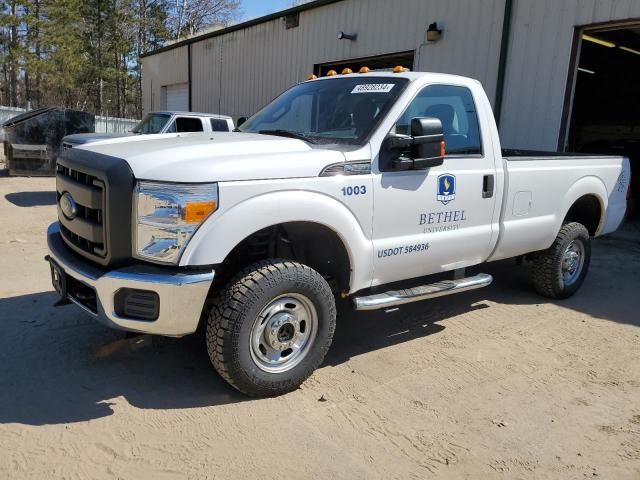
x,y
379,62
175,98
606,105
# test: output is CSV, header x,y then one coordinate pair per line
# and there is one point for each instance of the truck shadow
x,y
58,365
358,333
32,199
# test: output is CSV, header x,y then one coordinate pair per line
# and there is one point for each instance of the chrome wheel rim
x,y
283,333
572,262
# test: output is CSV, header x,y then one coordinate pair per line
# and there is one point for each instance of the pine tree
x,y
85,54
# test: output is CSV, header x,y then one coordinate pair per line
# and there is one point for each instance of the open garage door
x,y
175,97
606,103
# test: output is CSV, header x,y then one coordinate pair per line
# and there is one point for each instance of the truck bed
x,y
540,188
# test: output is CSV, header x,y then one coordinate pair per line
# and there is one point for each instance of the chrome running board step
x,y
394,298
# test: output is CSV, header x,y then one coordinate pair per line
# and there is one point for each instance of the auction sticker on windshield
x,y
373,88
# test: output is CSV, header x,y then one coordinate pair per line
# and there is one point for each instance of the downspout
x,y
189,72
502,63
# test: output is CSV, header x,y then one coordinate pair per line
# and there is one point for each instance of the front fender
x,y
221,233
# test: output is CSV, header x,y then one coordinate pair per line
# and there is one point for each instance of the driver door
x,y
441,218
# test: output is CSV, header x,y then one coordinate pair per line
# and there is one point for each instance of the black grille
x,y
86,230
101,187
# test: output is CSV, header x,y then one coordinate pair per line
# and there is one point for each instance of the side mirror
x,y
424,148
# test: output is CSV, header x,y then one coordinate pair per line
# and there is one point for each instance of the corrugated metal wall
x,y
168,68
238,72
538,64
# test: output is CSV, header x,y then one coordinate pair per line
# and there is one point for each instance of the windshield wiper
x,y
286,133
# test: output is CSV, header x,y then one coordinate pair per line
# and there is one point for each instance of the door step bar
x,y
394,298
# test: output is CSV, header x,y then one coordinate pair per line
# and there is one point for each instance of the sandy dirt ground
x,y
496,383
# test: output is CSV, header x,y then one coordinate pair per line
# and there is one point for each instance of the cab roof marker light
x,y
346,71
364,70
312,77
331,73
400,69
598,41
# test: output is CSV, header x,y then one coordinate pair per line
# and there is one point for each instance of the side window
x,y
172,128
456,110
219,125
188,124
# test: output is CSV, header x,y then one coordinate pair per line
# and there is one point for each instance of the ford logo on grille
x,y
68,206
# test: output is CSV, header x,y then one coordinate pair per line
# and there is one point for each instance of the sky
x,y
258,8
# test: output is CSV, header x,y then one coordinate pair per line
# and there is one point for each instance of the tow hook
x,y
61,302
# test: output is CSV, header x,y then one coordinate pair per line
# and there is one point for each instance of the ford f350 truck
x,y
342,186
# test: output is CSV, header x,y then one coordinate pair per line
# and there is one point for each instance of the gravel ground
x,y
496,383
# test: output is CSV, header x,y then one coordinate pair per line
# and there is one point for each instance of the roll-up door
x,y
175,97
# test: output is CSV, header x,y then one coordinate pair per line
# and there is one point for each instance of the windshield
x,y
152,123
339,110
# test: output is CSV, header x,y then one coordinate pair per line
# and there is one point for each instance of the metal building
x,y
559,73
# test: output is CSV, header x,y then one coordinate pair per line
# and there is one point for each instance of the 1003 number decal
x,y
357,190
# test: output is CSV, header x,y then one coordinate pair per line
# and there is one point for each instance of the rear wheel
x,y
559,271
270,327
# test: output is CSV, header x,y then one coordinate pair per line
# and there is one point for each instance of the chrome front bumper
x,y
182,293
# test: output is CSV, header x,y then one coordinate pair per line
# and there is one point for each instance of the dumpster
x,y
32,140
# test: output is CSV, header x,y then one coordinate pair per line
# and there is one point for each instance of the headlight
x,y
168,214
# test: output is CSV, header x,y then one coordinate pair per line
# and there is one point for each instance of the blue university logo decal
x,y
446,188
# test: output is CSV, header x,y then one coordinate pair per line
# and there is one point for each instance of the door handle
x,y
488,184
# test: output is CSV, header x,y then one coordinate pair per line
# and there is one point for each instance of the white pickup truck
x,y
342,186
155,123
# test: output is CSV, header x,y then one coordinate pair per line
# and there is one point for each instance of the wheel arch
x,y
223,234
309,243
585,202
588,211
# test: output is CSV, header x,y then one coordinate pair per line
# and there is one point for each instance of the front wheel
x,y
559,271
271,327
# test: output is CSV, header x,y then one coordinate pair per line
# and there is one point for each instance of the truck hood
x,y
82,138
78,139
217,156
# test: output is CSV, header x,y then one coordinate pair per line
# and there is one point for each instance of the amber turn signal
x,y
196,212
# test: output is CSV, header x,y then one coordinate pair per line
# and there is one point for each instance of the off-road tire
x,y
547,265
234,310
